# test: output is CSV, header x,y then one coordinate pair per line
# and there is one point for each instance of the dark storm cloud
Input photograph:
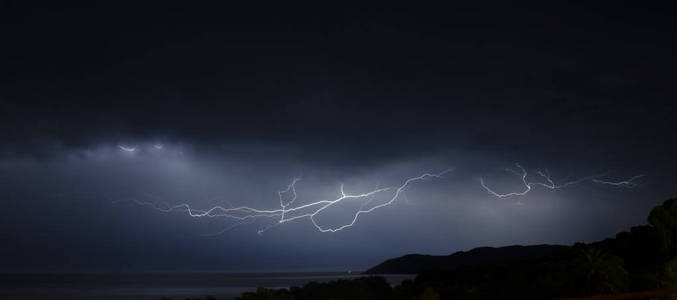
x,y
330,78
245,98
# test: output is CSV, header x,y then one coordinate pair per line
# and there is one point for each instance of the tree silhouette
x,y
602,273
664,219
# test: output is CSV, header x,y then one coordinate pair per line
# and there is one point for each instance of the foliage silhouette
x,y
643,258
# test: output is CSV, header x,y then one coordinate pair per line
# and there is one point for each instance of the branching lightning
x,y
287,212
550,184
379,197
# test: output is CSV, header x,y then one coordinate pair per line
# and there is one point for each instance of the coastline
x,y
153,286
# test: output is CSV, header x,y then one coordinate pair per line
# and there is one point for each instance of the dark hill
x,y
416,263
642,259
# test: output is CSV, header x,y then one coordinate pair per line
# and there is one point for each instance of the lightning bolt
x,y
288,213
344,196
630,183
550,184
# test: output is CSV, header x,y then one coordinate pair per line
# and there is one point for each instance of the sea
x,y
153,286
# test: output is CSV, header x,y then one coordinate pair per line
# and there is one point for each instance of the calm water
x,y
154,286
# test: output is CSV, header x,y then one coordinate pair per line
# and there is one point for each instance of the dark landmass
x,y
644,258
417,263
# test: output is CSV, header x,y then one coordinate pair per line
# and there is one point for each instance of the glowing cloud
x,y
127,148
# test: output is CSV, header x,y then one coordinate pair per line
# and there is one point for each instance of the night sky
x,y
224,105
